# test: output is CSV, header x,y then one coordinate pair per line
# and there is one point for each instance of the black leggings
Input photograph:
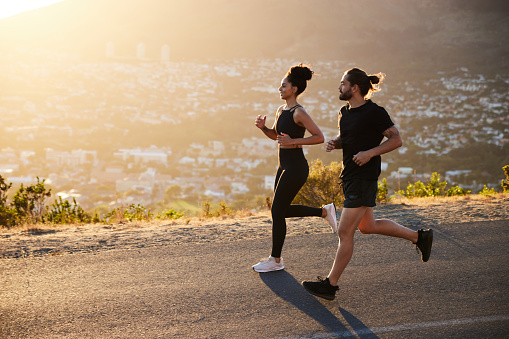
x,y
291,175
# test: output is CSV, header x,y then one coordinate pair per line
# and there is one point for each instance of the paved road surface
x,y
210,291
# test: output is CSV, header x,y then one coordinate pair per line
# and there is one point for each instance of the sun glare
x,y
12,7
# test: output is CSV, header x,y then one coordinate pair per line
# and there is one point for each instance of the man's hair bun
x,y
374,79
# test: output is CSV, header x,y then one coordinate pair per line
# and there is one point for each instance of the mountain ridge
x,y
394,32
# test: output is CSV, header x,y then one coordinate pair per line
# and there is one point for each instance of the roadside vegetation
x,y
29,205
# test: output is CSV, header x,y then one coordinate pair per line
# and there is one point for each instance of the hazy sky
x,y
13,7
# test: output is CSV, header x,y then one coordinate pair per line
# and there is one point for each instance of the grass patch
x,y
424,201
186,207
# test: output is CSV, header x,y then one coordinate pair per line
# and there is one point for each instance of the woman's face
x,y
286,90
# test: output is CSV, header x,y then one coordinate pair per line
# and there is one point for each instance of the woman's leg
x,y
288,185
295,211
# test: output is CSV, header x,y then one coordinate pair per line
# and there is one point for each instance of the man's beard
x,y
345,96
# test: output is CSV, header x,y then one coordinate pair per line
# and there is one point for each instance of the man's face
x,y
345,89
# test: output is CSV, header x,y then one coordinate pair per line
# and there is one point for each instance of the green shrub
x,y
487,192
222,211
29,202
62,212
433,188
131,212
268,203
382,194
323,185
170,214
505,183
206,210
137,212
115,215
417,190
7,214
456,190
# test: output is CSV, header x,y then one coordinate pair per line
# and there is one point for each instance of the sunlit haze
x,y
12,7
154,102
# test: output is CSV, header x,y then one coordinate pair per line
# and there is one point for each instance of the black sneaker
x,y
424,242
321,288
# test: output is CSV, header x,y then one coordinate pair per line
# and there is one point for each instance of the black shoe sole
x,y
324,296
429,242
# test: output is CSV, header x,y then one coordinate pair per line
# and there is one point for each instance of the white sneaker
x,y
331,216
269,265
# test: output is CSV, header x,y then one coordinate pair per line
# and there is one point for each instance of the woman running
x,y
291,123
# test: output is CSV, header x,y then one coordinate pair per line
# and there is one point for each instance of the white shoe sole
x,y
266,271
331,218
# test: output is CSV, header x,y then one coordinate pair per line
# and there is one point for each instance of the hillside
x,y
406,34
68,239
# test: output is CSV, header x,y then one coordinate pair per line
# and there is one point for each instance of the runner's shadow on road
x,y
285,286
455,239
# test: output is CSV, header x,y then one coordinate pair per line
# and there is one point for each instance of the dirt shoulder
x,y
69,239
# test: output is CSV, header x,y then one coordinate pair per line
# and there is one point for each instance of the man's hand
x,y
330,146
362,158
333,144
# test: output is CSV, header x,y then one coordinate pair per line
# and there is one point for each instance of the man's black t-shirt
x,y
361,129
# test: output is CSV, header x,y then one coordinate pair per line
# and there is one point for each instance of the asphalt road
x,y
210,291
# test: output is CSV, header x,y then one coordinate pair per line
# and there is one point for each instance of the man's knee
x,y
365,229
344,233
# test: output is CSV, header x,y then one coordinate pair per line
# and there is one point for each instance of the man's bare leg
x,y
369,225
350,219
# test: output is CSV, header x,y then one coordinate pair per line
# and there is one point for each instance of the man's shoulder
x,y
371,103
372,106
344,108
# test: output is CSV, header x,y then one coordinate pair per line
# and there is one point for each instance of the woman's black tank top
x,y
285,124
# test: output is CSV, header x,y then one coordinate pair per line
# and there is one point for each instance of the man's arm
x,y
393,141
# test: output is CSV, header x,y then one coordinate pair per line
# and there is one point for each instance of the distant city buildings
x,y
148,99
140,52
152,154
72,159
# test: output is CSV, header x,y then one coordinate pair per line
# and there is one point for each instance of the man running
x,y
362,127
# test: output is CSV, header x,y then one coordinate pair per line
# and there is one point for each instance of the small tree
x,y
6,212
29,202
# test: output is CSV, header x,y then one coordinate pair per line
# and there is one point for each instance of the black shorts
x,y
359,192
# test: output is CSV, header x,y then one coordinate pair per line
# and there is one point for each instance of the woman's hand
x,y
260,121
285,140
